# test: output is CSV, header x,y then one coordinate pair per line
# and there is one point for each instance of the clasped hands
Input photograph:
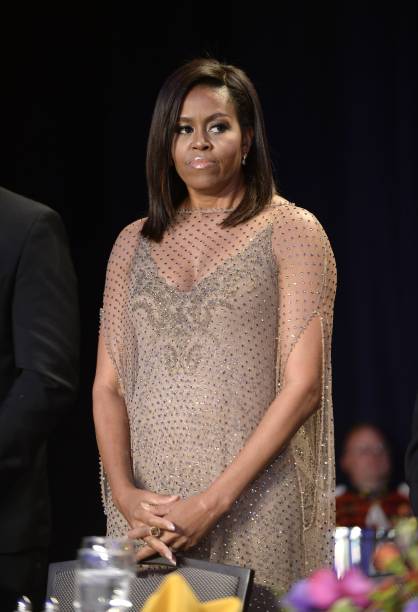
x,y
182,522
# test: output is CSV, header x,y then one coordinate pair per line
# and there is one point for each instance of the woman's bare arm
x,y
112,426
113,439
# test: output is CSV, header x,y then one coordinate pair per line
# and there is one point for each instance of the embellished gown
x,y
199,328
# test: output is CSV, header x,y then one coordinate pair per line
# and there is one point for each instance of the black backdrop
x,y
338,83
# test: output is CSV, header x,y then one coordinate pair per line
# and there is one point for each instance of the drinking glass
x,y
105,570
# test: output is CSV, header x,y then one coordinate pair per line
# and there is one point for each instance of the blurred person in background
x,y
368,500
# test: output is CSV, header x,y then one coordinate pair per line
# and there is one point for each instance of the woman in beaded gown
x,y
212,396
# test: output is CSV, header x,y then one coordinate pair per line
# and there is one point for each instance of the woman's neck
x,y
196,200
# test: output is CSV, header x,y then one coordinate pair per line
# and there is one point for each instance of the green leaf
x,y
412,556
343,605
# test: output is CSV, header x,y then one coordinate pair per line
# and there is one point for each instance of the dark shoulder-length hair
x,y
166,190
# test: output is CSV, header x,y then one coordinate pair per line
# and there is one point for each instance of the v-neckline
x,y
219,267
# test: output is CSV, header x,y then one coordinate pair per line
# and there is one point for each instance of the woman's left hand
x,y
193,517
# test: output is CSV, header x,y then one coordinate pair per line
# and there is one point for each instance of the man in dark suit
x,y
411,462
39,346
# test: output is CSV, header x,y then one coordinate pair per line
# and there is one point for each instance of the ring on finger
x,y
155,531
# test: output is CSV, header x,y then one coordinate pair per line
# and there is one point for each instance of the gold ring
x,y
155,531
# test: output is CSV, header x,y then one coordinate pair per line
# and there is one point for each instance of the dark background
x,y
338,84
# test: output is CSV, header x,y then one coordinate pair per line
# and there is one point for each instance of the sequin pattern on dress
x,y
199,328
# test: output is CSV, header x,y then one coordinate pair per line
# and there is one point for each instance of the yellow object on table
x,y
175,595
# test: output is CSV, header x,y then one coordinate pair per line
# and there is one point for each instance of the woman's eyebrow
x,y
210,118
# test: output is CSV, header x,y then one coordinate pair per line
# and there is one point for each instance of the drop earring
x,y
244,157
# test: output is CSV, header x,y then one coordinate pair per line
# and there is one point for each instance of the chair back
x,y
208,580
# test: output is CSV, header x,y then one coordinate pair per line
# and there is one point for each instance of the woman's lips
x,y
200,163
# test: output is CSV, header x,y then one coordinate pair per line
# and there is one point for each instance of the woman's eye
x,y
219,128
184,129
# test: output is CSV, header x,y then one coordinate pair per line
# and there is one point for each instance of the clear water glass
x,y
105,570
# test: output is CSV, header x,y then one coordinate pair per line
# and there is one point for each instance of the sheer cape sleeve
x,y
306,289
115,322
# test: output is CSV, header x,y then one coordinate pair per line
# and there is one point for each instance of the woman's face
x,y
209,144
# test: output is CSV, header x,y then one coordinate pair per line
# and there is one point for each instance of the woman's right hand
x,y
136,505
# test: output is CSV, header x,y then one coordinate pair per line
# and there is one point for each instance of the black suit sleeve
x,y
46,344
411,462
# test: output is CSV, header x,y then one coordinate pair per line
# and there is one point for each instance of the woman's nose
x,y
200,140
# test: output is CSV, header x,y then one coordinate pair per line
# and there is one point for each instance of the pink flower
x,y
324,588
355,585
